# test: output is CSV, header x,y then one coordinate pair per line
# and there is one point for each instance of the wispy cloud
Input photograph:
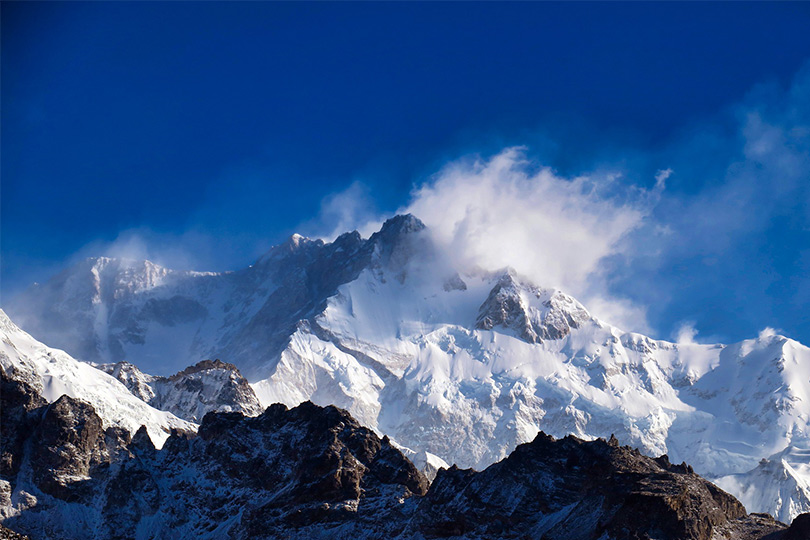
x,y
509,211
723,245
344,211
712,227
719,235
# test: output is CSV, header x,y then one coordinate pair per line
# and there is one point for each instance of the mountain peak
x,y
534,314
399,225
295,243
398,240
296,240
205,365
209,385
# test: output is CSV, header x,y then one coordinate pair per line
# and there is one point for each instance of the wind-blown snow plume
x,y
500,212
505,211
728,194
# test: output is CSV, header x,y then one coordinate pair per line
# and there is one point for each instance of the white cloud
x,y
767,333
617,311
661,178
188,250
507,211
344,211
686,333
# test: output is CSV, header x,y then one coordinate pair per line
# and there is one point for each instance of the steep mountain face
x,y
109,310
209,385
51,374
314,472
453,364
778,485
534,315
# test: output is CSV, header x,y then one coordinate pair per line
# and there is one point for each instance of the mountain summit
x,y
452,363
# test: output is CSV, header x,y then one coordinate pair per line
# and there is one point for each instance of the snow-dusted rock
x,y
464,365
209,385
313,472
53,373
778,485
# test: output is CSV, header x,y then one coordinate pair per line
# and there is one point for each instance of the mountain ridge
x,y
464,364
208,385
315,472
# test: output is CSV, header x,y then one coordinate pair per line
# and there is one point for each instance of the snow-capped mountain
x,y
53,373
209,385
778,485
462,364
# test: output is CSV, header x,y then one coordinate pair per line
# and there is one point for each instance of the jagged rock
x,y
282,470
571,489
138,382
209,385
313,472
534,314
67,447
19,400
51,373
8,534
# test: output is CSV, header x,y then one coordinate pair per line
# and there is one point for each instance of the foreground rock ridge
x,y
51,374
313,472
456,364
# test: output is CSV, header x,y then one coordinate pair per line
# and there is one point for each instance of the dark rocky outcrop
x,y
313,472
571,489
8,534
67,449
799,529
284,470
19,400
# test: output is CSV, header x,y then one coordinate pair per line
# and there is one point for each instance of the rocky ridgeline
x,y
509,306
312,472
209,385
457,363
8,534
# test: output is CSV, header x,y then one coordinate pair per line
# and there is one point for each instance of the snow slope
x,y
54,373
417,362
461,365
779,485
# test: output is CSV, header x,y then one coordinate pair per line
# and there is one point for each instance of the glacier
x,y
457,365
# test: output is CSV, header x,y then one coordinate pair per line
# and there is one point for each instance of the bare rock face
x,y
309,468
799,529
19,402
69,447
314,472
136,381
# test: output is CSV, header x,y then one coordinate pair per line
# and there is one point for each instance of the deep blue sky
x,y
237,119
